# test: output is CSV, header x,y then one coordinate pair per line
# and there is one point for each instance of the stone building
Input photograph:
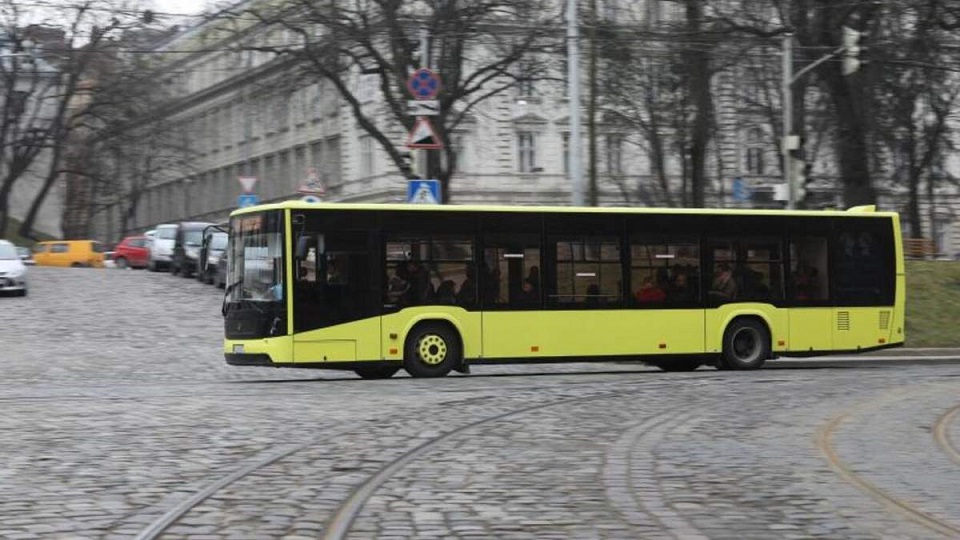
x,y
248,114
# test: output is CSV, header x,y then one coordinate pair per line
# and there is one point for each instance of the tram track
x,y
941,433
824,443
338,526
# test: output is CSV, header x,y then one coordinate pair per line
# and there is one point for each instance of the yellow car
x,y
75,253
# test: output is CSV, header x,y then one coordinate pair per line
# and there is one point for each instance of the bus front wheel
x,y
746,345
431,350
377,372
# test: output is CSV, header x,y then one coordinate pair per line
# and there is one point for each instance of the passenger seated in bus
x,y
446,292
534,277
398,284
649,292
529,294
805,284
467,295
723,287
680,290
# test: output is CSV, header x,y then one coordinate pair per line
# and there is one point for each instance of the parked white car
x,y
161,247
13,273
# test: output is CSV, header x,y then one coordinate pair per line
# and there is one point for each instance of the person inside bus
x,y
446,292
398,285
529,295
421,290
805,283
724,287
649,292
534,277
467,295
680,290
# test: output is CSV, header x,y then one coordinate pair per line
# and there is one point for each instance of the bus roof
x,y
303,205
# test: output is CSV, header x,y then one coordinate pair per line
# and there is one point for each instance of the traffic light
x,y
851,50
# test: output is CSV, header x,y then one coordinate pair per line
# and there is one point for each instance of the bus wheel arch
x,y
746,343
432,348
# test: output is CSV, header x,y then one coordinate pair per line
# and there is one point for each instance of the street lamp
x,y
851,63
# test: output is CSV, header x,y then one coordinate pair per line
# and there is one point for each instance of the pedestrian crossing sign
x,y
423,192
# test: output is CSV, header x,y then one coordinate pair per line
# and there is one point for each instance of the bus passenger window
x,y
808,269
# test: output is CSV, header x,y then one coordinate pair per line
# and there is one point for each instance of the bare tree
x,y
41,86
480,48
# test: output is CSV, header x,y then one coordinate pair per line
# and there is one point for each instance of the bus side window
x,y
808,269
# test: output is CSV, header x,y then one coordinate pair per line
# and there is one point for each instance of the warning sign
x,y
423,192
423,136
313,184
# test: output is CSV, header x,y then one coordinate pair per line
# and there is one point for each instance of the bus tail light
x,y
534,348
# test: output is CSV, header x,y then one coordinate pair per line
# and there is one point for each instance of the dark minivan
x,y
213,248
186,247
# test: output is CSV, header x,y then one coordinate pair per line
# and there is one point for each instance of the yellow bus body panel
x,y
552,334
356,340
811,329
280,349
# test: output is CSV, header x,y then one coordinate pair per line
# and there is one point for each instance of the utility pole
x,y
573,84
785,145
426,171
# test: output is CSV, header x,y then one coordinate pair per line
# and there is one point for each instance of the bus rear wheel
x,y
431,350
377,372
746,345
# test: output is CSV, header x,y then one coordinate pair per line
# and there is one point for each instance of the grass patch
x,y
933,304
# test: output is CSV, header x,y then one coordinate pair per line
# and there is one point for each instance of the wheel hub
x,y
746,344
432,349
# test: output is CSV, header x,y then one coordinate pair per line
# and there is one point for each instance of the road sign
x,y
423,84
247,182
423,191
423,136
313,185
423,107
247,199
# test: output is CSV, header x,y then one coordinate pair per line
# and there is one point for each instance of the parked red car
x,y
132,251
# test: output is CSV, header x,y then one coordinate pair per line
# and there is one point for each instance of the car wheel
x,y
377,372
431,350
121,263
746,345
77,265
215,279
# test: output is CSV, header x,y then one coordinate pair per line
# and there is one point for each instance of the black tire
x,y
174,268
377,372
746,345
678,364
431,350
77,265
215,279
152,266
121,263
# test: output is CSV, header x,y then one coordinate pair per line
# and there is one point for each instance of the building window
x,y
527,152
614,154
525,81
754,152
566,153
366,155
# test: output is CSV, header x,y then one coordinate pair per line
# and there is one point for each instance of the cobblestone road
x,y
121,420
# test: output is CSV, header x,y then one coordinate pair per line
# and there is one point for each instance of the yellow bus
x,y
374,288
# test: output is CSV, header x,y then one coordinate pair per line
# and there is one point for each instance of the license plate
x,y
238,349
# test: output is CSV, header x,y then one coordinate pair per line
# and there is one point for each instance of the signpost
x,y
313,185
424,85
247,199
423,191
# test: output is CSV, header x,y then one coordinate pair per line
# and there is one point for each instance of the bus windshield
x,y
255,269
